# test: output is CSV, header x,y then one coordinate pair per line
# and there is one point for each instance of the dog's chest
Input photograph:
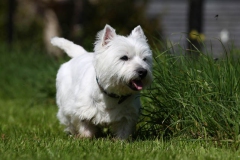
x,y
106,115
111,112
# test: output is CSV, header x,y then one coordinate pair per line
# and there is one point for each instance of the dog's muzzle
x,y
136,84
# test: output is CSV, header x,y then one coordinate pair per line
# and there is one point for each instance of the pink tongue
x,y
138,85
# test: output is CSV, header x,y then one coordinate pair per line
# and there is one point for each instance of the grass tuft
x,y
193,98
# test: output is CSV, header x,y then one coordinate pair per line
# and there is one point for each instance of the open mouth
x,y
136,85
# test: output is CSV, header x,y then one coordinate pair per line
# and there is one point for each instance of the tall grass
x,y
193,98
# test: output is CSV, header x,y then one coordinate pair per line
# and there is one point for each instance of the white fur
x,y
83,106
69,47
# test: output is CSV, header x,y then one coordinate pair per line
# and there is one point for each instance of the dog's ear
x,y
137,32
108,34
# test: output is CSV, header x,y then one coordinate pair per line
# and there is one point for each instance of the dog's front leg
x,y
124,128
87,129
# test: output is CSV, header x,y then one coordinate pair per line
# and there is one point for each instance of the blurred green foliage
x,y
27,26
29,20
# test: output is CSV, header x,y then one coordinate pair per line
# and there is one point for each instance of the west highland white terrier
x,y
102,88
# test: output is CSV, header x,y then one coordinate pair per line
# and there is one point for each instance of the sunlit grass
x,y
190,112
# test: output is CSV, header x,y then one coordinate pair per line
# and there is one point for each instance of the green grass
x,y
194,98
190,112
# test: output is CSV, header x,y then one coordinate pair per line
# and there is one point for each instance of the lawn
x,y
190,112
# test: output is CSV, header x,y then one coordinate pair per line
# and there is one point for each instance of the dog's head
x,y
123,64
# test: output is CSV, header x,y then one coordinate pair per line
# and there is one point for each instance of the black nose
x,y
142,72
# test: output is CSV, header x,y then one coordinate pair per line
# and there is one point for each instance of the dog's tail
x,y
69,47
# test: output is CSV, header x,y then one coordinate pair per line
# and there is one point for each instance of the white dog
x,y
102,88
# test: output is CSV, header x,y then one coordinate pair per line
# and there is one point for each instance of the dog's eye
x,y
124,58
144,59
